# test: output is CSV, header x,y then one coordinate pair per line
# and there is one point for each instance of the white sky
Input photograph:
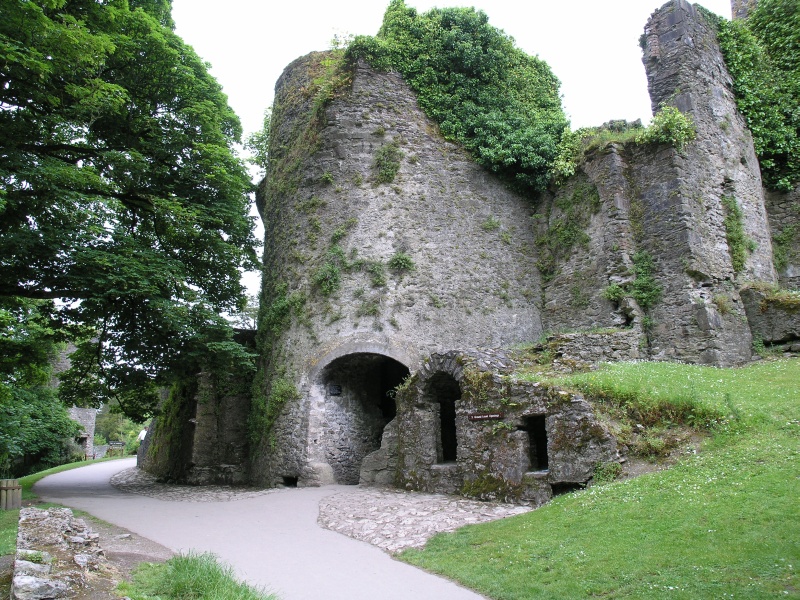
x,y
592,46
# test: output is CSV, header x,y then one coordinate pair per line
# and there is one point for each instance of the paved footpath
x,y
272,538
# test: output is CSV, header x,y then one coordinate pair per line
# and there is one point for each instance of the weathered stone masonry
x,y
343,329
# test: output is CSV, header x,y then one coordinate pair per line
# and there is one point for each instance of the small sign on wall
x,y
334,390
485,417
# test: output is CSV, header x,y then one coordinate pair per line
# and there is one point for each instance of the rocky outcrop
x,y
774,317
55,554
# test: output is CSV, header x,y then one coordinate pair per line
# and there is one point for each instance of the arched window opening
x,y
358,406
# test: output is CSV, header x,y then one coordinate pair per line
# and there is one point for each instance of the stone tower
x,y
388,269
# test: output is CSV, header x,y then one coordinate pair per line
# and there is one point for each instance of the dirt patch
x,y
124,550
112,553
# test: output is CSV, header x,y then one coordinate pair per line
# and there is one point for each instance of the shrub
x,y
401,262
500,103
387,162
669,126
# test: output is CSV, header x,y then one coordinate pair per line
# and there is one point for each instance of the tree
x,y
120,194
35,429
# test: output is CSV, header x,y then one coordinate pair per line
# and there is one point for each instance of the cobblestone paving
x,y
394,520
135,481
389,519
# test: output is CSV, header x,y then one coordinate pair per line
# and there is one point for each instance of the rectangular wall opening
x,y
537,442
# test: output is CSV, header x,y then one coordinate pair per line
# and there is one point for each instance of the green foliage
x,y
387,162
111,425
35,429
401,262
677,533
491,223
763,57
258,144
614,292
267,407
644,288
784,245
739,245
574,145
606,472
120,191
377,273
327,278
485,93
669,126
190,576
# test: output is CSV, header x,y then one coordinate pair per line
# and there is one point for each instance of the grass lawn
x,y
721,524
192,576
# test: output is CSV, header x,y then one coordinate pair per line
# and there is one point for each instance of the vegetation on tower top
x,y
485,93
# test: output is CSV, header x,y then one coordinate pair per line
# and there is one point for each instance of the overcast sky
x,y
591,46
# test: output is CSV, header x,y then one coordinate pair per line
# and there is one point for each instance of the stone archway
x,y
358,406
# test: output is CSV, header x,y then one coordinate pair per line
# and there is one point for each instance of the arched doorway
x,y
443,390
358,406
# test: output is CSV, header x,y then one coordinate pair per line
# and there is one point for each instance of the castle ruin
x,y
386,305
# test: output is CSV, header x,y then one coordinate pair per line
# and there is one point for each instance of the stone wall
x,y
201,437
364,277
56,555
784,221
86,418
501,438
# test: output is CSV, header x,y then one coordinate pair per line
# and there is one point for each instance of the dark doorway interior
x,y
537,442
359,403
444,390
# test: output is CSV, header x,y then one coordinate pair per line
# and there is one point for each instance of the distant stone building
x,y
86,418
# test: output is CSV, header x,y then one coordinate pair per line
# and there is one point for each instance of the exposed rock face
x,y
465,425
773,320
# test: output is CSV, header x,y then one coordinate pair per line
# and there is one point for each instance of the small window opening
x,y
445,391
289,482
566,487
535,426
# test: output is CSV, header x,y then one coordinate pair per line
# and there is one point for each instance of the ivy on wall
x,y
500,103
763,57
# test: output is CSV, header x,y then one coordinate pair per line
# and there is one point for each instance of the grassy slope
x,y
725,523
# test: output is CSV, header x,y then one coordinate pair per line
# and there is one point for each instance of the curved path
x,y
271,540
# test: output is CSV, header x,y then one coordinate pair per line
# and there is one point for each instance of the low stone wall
x,y
466,425
573,351
55,554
